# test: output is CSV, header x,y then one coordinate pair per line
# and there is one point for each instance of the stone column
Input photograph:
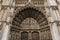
x,y
53,25
6,30
7,19
54,31
52,17
6,26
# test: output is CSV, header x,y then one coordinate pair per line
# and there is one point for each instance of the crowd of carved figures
x,y
30,21
45,35
23,24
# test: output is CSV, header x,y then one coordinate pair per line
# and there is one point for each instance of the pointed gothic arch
x,y
38,13
29,12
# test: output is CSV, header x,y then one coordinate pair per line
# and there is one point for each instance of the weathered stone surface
x,y
30,19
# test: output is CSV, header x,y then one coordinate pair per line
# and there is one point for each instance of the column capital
x,y
52,22
53,7
8,23
58,22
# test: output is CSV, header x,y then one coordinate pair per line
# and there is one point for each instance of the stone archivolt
x,y
29,19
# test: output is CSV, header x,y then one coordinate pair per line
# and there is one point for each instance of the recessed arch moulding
x,y
23,18
41,12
